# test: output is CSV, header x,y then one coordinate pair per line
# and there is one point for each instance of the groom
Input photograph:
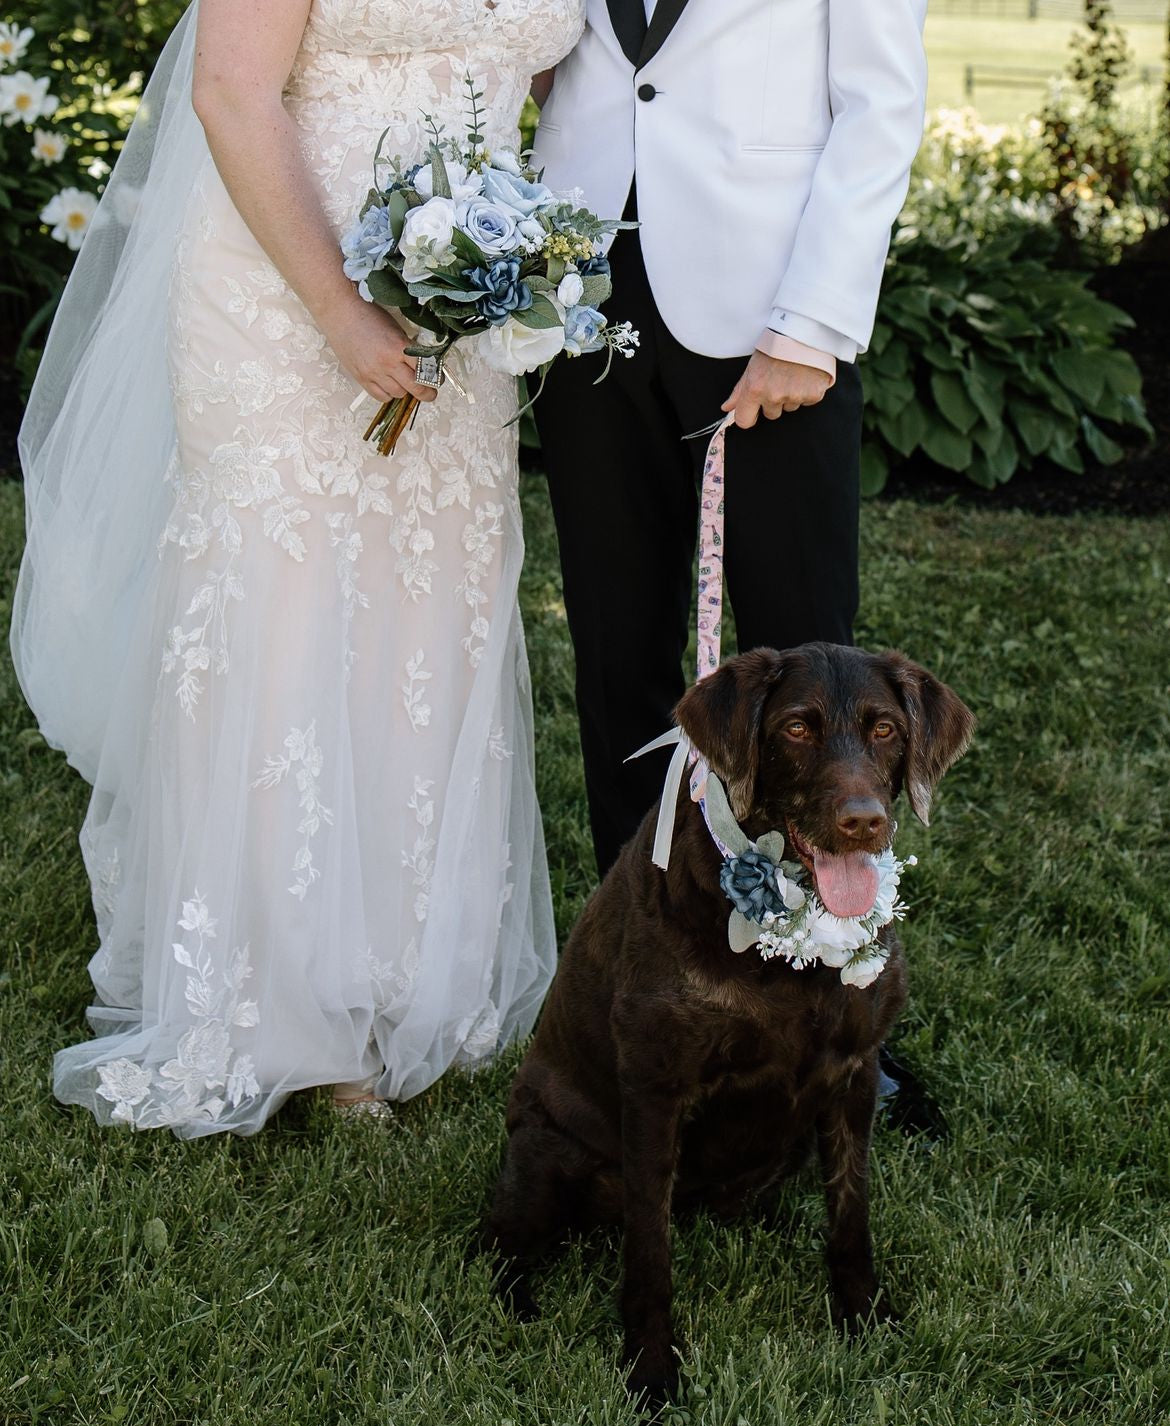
x,y
765,147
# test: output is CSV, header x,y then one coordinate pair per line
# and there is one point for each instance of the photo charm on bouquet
x,y
471,244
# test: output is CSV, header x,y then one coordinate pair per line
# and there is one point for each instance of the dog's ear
x,y
941,725
721,716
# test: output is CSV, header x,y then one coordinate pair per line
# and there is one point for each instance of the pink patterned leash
x,y
711,552
710,634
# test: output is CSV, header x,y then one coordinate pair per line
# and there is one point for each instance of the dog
x,y
666,1070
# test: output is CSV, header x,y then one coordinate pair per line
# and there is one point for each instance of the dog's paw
x,y
652,1382
516,1295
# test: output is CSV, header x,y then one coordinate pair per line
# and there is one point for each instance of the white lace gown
x,y
325,859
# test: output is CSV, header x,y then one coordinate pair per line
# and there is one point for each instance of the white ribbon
x,y
664,832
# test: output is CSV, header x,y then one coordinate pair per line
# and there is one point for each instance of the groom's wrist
x,y
783,348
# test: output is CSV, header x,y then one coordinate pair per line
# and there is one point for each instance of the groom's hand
x,y
773,387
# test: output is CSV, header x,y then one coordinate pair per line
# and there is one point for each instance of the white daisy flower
x,y
24,100
49,147
13,43
69,214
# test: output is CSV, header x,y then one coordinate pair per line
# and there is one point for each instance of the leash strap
x,y
703,783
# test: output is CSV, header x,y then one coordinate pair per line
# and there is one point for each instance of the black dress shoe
x,y
907,1104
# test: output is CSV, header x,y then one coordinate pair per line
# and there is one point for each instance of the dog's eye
x,y
796,728
883,729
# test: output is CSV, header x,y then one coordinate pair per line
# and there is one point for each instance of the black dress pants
x,y
624,486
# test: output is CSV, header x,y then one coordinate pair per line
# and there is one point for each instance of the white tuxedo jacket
x,y
772,141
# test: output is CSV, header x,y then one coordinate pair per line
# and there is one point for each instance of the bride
x,y
292,669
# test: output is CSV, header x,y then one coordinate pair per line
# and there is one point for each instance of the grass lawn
x,y
954,41
317,1273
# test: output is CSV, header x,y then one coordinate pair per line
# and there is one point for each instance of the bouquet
x,y
471,245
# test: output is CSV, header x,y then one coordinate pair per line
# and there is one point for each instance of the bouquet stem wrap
x,y
390,420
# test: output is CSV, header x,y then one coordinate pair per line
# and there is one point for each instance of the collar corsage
x,y
776,906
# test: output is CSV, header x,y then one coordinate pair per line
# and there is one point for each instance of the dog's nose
x,y
861,817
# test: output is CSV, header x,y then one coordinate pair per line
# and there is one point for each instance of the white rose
x,y
517,349
863,973
464,183
507,160
571,290
426,239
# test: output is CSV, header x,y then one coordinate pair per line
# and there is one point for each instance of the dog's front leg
x,y
843,1136
650,1121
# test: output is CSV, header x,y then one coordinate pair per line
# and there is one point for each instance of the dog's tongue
x,y
847,885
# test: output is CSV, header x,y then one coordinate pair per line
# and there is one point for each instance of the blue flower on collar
x,y
749,883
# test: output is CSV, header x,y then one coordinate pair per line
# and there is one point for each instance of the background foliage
x,y
96,57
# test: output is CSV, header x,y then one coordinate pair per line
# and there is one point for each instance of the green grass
x,y
317,1273
954,41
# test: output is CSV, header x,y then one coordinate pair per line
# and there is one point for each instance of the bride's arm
x,y
243,57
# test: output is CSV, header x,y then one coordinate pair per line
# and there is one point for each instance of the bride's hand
x,y
370,346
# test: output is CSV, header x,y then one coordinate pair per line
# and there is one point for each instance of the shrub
x,y
72,79
986,360
974,180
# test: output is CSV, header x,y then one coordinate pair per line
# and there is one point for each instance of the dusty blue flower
x,y
367,244
503,291
515,192
595,266
583,327
749,882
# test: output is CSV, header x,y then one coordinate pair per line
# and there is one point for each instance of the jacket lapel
x,y
628,18
666,13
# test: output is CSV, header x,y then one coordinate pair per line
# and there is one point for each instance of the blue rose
x,y
519,194
749,883
595,266
489,225
503,291
583,328
367,244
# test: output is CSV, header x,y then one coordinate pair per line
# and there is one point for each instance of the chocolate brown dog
x,y
667,1069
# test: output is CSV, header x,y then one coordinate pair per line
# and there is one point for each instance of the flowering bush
x,y
973,181
68,90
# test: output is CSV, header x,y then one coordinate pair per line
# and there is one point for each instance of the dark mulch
x,y
1140,483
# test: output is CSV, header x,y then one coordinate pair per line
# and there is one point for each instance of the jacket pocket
x,y
782,148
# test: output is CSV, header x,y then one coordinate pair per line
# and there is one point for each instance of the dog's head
x,y
818,742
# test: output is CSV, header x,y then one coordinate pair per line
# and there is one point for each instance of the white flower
x,y
464,183
517,349
24,100
865,971
69,214
426,239
13,43
571,290
49,147
507,161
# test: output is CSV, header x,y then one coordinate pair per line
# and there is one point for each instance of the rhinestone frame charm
x,y
428,371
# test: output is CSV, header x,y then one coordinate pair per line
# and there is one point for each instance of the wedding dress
x,y
313,842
